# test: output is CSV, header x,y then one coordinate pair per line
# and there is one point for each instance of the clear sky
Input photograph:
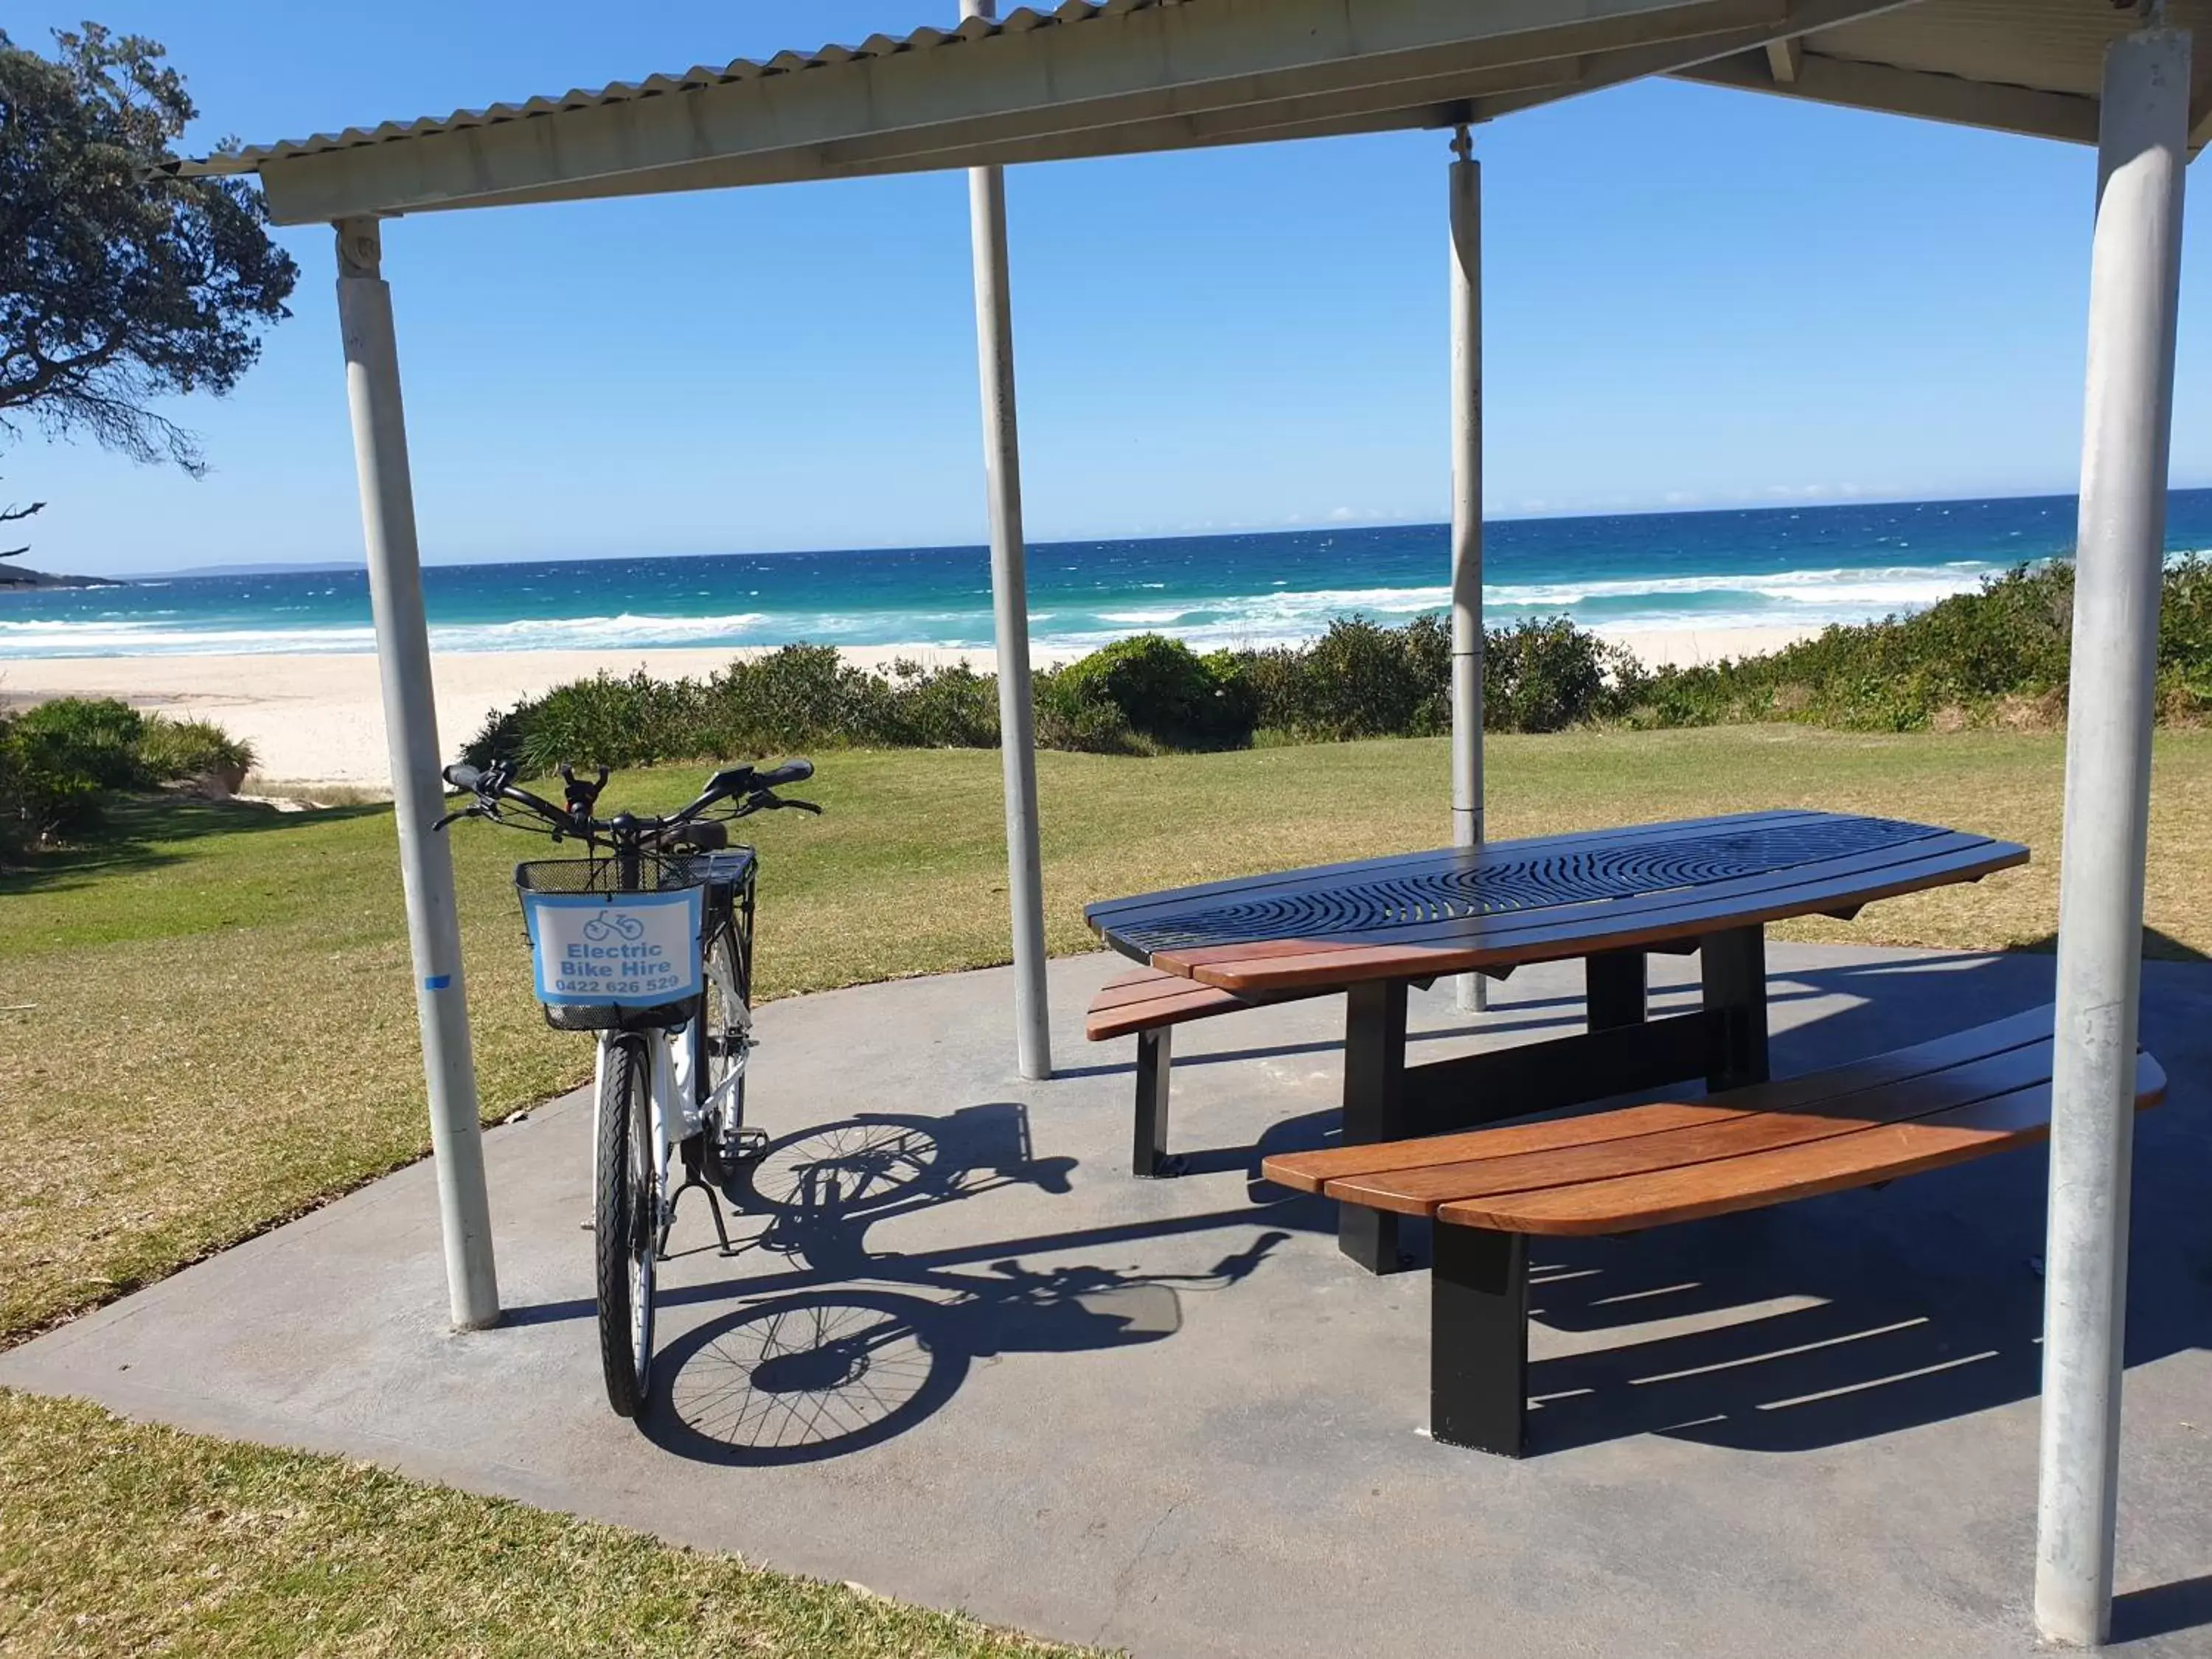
x,y
1694,298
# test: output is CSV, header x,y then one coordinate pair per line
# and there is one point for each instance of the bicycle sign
x,y
634,949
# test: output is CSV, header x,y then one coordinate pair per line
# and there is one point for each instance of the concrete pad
x,y
962,1357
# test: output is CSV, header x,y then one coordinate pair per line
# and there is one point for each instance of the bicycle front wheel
x,y
625,1225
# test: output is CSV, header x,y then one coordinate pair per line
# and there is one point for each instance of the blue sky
x,y
1694,298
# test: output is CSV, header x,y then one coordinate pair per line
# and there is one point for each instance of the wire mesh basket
x,y
609,956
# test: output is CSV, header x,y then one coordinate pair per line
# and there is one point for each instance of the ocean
x,y
1791,566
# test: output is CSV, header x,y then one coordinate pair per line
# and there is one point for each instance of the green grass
x,y
222,1035
116,1539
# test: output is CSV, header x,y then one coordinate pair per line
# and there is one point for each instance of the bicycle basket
x,y
606,958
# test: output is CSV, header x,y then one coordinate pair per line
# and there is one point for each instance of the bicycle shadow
x,y
870,1343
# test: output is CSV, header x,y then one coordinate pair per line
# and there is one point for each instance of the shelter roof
x,y
1103,77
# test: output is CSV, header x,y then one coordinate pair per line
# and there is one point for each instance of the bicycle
x,y
645,940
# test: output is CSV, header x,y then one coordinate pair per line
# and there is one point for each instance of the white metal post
x,y
1471,989
411,720
2134,284
1010,605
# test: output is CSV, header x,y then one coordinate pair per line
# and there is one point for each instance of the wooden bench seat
x,y
1150,1002
1488,1191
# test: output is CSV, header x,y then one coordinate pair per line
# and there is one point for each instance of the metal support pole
x,y
1472,991
1010,603
2119,555
411,720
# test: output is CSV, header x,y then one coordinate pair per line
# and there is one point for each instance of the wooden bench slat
x,y
1885,1152
1197,1002
1731,1140
1156,983
1148,997
1308,1172
1643,1166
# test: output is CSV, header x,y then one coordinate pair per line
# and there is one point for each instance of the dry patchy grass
x,y
117,1538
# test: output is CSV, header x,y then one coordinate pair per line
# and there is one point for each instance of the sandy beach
x,y
319,719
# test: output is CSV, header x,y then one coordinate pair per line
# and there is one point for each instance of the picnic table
x,y
1373,928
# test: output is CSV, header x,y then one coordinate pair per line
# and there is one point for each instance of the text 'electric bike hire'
x,y
647,939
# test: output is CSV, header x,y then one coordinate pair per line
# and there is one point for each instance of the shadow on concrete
x,y
2157,946
1811,1325
797,1375
2162,1610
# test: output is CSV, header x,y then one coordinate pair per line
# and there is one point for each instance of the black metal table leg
x,y
1733,966
1155,1059
1613,988
1479,1340
1374,1109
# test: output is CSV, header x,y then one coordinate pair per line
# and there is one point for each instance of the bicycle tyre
x,y
625,1223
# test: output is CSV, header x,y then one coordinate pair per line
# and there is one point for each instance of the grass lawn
x,y
221,1033
116,1539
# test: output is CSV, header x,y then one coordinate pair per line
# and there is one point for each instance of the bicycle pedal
x,y
748,1145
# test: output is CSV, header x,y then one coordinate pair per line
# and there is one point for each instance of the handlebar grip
x,y
791,771
464,776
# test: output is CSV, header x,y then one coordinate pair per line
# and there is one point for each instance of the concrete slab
x,y
962,1357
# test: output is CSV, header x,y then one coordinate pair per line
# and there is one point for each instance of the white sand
x,y
319,718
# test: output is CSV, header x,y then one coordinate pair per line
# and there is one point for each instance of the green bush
x,y
43,797
2002,651
1545,675
170,749
1359,680
92,738
1075,714
798,697
1164,691
61,761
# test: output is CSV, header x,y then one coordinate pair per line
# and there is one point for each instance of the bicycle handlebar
x,y
493,784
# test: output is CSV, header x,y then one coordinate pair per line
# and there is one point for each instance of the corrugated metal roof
x,y
1018,21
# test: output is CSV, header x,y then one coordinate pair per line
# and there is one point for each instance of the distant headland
x,y
11,577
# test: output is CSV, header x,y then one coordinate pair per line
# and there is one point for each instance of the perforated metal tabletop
x,y
1563,895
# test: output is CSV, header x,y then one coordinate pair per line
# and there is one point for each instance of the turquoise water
x,y
1765,568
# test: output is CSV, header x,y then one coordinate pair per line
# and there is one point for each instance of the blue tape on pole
x,y
437,981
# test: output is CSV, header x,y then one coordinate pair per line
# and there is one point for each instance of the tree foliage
x,y
120,284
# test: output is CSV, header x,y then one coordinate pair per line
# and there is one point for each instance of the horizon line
x,y
1325,527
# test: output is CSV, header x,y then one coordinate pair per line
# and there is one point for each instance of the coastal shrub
x,y
1079,719
1361,680
43,796
1545,674
2000,653
801,696
1163,689
171,750
95,739
62,761
1358,680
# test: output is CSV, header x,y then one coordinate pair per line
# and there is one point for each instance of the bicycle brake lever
x,y
802,805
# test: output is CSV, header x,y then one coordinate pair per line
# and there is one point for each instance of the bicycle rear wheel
x,y
625,1225
720,1037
